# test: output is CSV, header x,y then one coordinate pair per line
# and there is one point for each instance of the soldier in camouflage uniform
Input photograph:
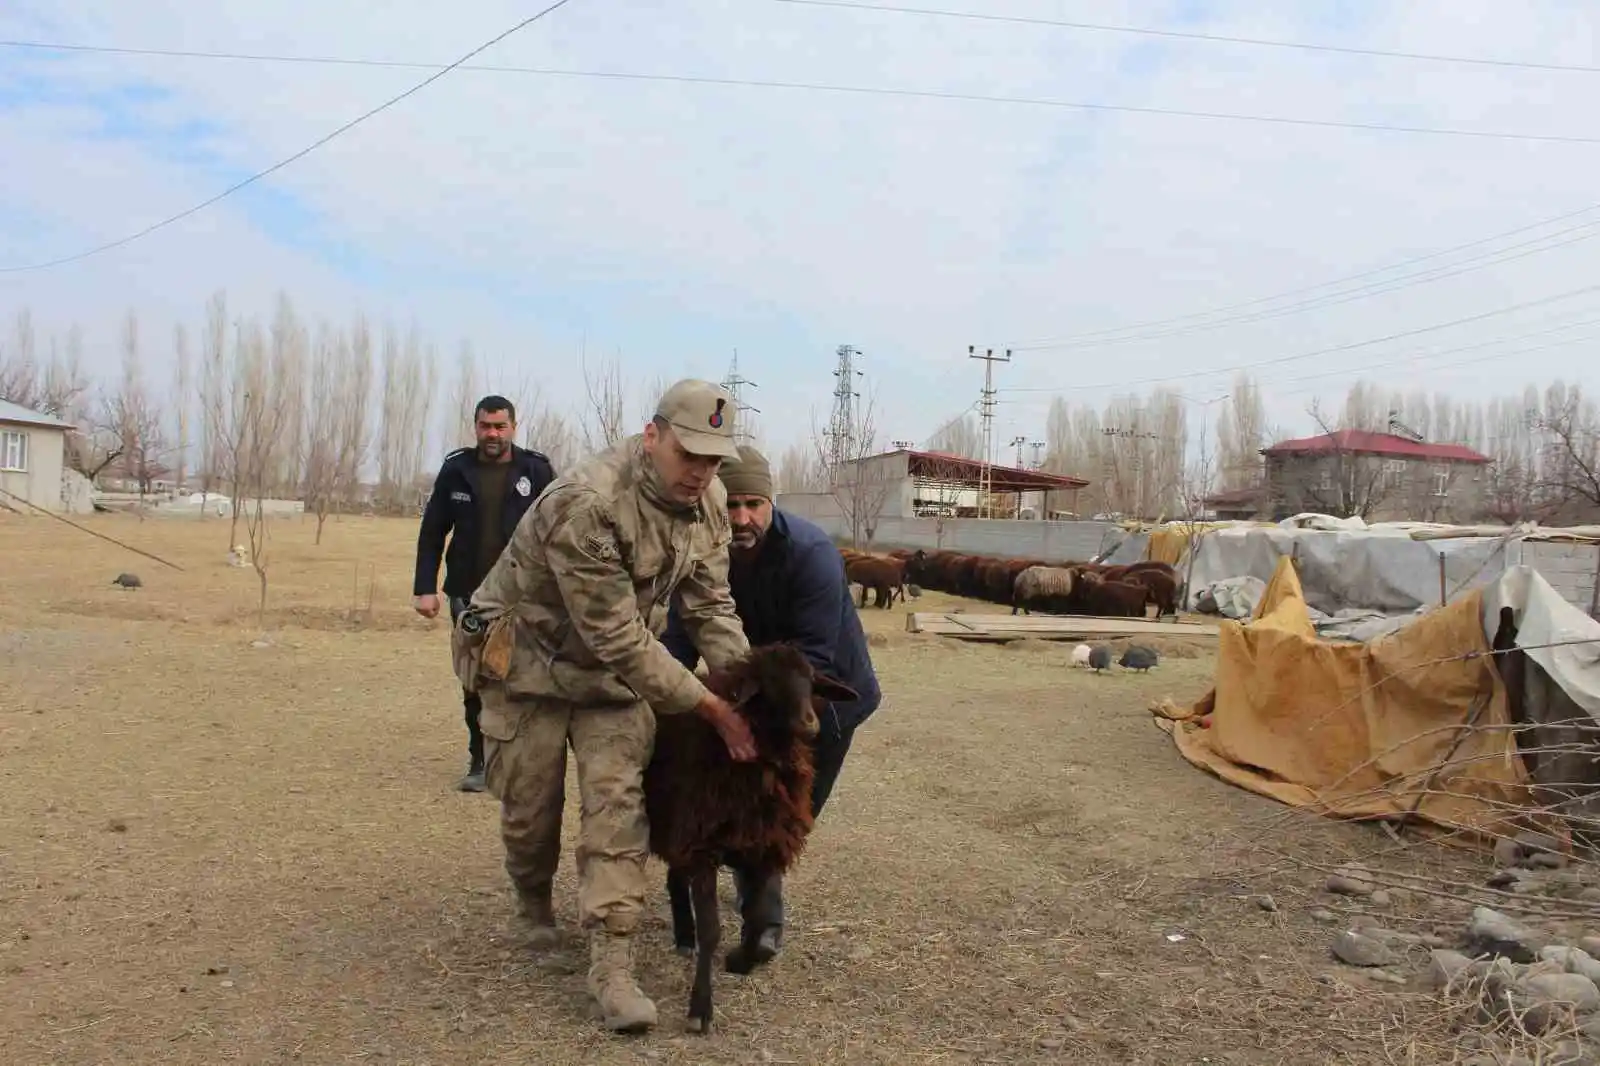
x,y
573,610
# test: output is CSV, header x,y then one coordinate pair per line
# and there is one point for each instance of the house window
x,y
13,450
1325,479
1441,480
1394,472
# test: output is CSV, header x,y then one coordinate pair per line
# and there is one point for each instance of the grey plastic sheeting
x,y
1341,571
1563,640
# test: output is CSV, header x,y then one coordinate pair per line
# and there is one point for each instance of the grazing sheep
x,y
1117,599
882,575
706,810
1099,658
1162,587
1080,655
1138,657
1043,588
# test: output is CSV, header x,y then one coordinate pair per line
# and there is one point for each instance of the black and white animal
x,y
1138,657
1099,658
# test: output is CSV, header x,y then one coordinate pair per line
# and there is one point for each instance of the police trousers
x,y
525,766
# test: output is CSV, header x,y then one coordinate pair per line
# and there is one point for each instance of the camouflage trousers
x,y
525,768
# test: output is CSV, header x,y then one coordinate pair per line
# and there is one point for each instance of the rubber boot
x,y
768,923
624,1008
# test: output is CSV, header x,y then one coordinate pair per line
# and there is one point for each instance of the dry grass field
x,y
224,843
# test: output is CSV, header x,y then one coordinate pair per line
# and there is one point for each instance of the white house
x,y
33,448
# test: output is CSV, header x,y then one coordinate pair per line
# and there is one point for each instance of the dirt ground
x,y
227,842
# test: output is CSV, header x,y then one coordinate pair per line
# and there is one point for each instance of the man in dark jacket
x,y
789,584
479,496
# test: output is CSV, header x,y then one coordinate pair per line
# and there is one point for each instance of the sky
x,y
539,215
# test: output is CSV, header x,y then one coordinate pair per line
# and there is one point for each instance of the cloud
x,y
676,222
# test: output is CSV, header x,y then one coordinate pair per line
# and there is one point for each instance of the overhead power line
x,y
1093,334
302,153
1361,292
1214,38
1352,346
856,90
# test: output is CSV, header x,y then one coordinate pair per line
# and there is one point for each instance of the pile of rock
x,y
1511,977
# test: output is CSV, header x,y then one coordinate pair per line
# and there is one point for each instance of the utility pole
x,y
1135,434
986,479
1038,454
842,423
735,385
1018,442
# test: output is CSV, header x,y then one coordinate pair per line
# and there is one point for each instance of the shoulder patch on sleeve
x,y
456,453
602,546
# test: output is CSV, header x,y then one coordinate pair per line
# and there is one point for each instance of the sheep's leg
x,y
708,927
682,912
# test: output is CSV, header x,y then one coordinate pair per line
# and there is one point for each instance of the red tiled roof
x,y
1234,497
943,466
1362,440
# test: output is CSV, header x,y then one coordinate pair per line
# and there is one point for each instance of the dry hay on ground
x,y
218,846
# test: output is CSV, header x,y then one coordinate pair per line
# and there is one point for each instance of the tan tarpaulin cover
x,y
1168,543
1358,730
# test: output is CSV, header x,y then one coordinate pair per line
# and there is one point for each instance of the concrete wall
x,y
1055,541
1570,568
40,484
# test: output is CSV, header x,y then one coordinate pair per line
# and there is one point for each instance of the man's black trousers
x,y
470,703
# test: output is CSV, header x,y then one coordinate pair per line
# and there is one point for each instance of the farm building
x,y
1380,476
915,499
33,448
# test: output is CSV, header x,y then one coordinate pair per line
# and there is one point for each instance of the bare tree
x,y
1349,484
182,382
801,469
859,485
217,444
323,425
1241,434
959,436
263,403
1569,480
604,421
133,418
464,396
354,415
1199,485
408,375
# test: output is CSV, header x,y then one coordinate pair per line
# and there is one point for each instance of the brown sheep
x,y
883,576
706,810
1163,589
1116,599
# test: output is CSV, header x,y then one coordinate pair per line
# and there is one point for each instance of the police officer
x,y
579,598
789,584
480,494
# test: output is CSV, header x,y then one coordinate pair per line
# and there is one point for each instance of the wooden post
x,y
1443,595
1594,593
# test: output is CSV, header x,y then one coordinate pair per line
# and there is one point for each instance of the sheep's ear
x,y
830,689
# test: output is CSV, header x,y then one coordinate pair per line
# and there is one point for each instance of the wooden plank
x,y
1052,627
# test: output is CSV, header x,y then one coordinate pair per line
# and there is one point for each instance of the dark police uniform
x,y
479,504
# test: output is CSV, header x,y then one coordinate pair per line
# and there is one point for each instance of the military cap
x,y
701,414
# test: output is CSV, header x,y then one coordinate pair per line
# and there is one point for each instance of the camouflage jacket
x,y
587,579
